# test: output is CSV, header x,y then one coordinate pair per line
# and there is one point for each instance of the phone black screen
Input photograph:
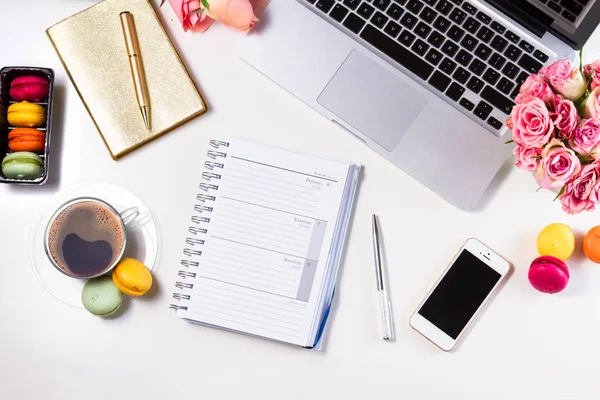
x,y
459,294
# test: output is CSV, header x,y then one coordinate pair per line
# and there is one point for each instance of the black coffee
x,y
86,238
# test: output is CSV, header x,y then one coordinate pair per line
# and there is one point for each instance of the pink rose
x,y
565,79
532,125
534,86
559,164
591,106
565,118
528,159
237,14
592,72
586,138
582,192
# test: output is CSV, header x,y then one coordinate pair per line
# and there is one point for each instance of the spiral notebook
x,y
265,242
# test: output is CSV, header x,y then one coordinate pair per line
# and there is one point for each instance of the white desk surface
x,y
526,345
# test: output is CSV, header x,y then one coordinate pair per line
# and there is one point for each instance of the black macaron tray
x,y
7,75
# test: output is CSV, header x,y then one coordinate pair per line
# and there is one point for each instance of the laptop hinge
x,y
523,12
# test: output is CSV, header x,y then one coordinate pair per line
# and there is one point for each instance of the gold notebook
x,y
91,47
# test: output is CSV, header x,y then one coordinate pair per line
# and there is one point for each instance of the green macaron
x,y
101,297
22,165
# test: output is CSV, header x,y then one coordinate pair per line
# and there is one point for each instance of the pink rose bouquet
x,y
198,15
556,126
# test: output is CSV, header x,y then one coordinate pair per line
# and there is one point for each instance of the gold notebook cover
x,y
92,49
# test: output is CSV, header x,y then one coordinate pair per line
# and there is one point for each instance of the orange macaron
x,y
27,139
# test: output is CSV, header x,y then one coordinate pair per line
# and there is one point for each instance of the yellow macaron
x,y
25,114
556,240
132,277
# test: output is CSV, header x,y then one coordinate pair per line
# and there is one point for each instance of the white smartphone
x,y
458,295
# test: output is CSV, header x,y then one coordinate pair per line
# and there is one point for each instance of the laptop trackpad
x,y
372,100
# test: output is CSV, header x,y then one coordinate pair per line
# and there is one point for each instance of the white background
x,y
526,345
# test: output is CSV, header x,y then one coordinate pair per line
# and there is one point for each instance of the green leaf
x,y
562,190
199,11
205,4
509,142
585,158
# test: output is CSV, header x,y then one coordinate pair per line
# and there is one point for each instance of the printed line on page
x,y
270,208
262,248
247,287
284,169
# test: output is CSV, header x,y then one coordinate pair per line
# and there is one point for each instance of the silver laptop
x,y
428,84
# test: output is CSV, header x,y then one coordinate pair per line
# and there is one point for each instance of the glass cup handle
x,y
129,215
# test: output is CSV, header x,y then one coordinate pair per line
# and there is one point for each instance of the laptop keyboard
x,y
460,51
569,9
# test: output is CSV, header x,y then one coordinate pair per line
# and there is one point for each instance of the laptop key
x,y
481,113
392,29
394,12
352,4
569,16
455,33
450,48
475,84
434,56
497,61
408,20
513,53
379,20
458,16
469,8
540,56
522,78
505,86
483,52
491,76
339,12
407,38
447,65
414,6
466,104
442,24
483,18
485,107
471,25
497,99
485,34
494,123
499,44
430,2
455,91
525,46
510,70
572,6
457,2
422,30
395,51
461,75
381,4
436,39
444,7
529,64
463,58
498,27
469,42
354,23
365,10
325,5
477,67
512,37
439,81
428,15
420,47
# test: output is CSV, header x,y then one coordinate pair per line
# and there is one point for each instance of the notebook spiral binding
x,y
202,208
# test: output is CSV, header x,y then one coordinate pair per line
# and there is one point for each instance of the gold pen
x,y
137,68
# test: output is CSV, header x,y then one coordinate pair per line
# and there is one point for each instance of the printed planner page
x,y
270,232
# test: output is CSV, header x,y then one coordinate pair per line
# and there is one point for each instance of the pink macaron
x,y
29,88
548,274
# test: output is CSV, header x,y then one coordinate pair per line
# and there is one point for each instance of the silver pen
x,y
385,308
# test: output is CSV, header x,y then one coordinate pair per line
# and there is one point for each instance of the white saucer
x,y
142,236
